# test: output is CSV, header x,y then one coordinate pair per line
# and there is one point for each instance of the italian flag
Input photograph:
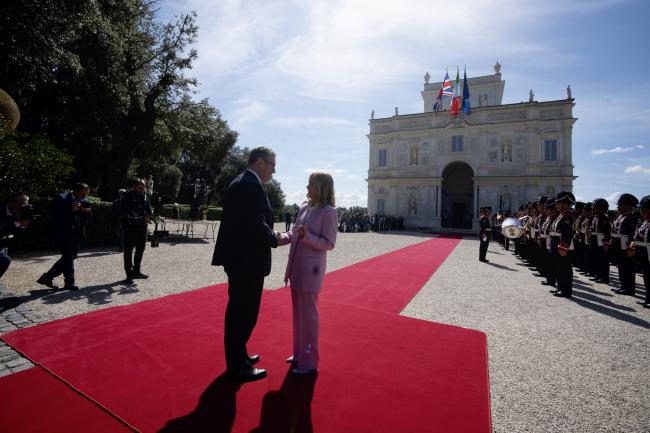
x,y
455,102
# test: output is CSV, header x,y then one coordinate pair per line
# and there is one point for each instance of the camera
x,y
25,213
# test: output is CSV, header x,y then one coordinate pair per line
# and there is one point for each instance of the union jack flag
x,y
446,86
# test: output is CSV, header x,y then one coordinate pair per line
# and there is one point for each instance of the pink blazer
x,y
308,256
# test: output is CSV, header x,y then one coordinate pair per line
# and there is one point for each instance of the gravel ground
x,y
173,267
556,365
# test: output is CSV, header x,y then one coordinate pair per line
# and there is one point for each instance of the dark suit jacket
x,y
246,233
63,222
7,226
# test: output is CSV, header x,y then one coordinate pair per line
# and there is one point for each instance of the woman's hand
x,y
301,232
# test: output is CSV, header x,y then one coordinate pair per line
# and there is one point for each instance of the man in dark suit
x,y
243,248
70,211
11,222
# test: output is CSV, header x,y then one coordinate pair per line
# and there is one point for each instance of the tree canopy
x,y
107,83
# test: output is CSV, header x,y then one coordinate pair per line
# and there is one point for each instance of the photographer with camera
x,y
136,213
14,217
70,212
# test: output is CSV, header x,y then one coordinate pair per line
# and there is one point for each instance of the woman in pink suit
x,y
313,234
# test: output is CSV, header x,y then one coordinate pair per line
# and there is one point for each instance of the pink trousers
x,y
305,329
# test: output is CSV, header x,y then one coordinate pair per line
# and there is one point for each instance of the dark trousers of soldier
x,y
578,254
483,247
626,273
542,265
588,260
550,267
564,273
644,264
601,262
134,237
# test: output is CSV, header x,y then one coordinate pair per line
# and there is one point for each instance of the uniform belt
x,y
616,235
556,234
640,244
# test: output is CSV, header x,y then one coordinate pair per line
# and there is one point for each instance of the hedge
x,y
214,213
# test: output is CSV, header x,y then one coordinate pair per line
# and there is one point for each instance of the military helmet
x,y
588,206
550,203
600,203
579,205
645,202
627,200
565,196
542,199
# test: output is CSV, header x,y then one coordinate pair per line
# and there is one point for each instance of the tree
x,y
276,196
106,82
31,164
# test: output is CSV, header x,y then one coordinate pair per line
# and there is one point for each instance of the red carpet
x,y
388,282
34,401
157,364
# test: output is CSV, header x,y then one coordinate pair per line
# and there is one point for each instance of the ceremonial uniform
x,y
625,229
562,241
600,240
484,234
642,247
549,253
588,261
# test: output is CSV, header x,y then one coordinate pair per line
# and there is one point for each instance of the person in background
x,y
12,221
70,212
136,214
484,233
641,247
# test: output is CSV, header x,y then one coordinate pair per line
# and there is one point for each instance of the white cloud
x,y
617,149
637,169
612,199
247,111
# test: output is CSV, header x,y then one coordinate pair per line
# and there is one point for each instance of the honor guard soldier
x,y
539,245
484,232
624,229
578,235
600,239
549,257
641,246
562,243
587,257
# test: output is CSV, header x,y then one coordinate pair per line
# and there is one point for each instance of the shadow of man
x,y
215,412
288,410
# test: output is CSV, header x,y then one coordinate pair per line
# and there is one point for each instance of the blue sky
x,y
301,77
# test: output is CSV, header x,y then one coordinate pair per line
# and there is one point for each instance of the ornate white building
x,y
437,171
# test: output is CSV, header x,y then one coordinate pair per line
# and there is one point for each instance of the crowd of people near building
x,y
362,222
561,234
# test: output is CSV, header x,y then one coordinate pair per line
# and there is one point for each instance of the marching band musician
x,y
536,235
624,229
549,257
562,244
600,240
641,246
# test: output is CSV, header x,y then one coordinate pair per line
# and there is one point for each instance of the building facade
x,y
437,171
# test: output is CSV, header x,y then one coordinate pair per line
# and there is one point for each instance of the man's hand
x,y
76,206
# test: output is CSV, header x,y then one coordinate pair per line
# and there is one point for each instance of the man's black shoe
x,y
250,375
139,275
625,292
43,280
483,260
554,291
70,287
127,280
546,283
253,359
561,295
